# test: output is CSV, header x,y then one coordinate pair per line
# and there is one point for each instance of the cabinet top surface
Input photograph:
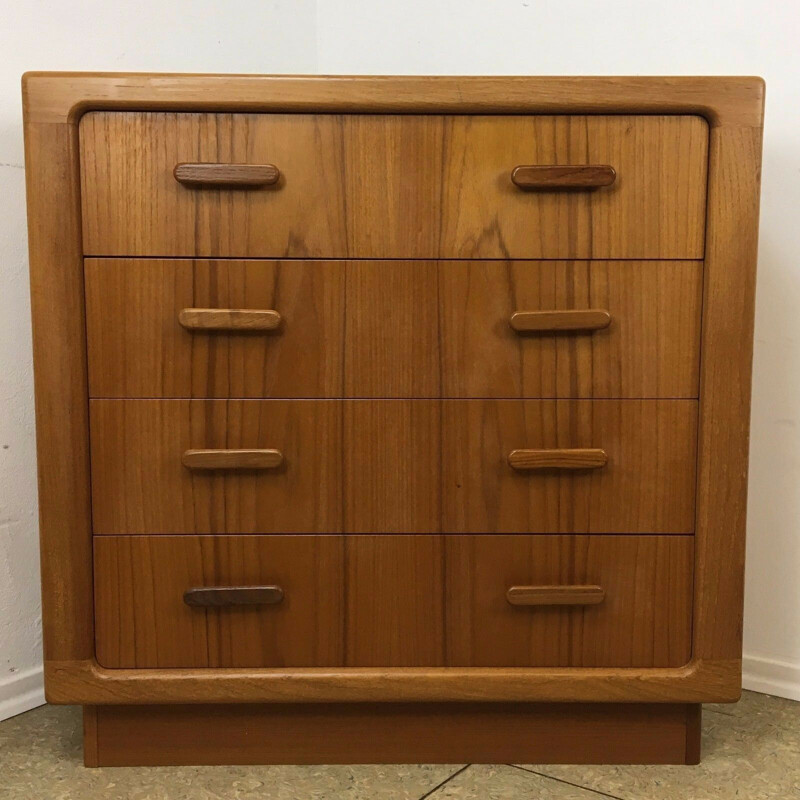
x,y
64,96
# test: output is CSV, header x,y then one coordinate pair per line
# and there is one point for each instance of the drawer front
x,y
372,601
636,476
410,186
393,466
143,481
401,328
150,333
578,601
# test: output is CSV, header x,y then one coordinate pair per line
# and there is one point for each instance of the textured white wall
x,y
568,37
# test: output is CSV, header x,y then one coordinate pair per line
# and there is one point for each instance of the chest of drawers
x,y
392,419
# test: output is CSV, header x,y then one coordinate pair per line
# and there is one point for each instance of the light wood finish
x,y
650,349
644,620
555,595
391,733
413,186
700,681
53,105
553,321
232,459
229,319
561,458
647,486
229,175
151,354
411,329
139,484
143,621
220,596
555,177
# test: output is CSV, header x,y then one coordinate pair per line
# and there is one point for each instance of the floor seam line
x,y
445,781
568,783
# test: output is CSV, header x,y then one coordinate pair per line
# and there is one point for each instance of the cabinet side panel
x,y
59,354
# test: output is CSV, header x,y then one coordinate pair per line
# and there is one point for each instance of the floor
x,y
750,751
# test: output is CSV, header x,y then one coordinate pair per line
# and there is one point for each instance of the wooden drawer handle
x,y
555,595
233,596
232,459
590,319
577,458
558,176
229,319
227,175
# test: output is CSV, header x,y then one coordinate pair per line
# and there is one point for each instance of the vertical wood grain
x,y
725,388
650,349
395,601
644,620
138,348
392,458
142,621
646,486
59,356
140,485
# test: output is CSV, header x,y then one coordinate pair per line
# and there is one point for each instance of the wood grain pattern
x,y
229,319
393,733
87,683
395,601
650,349
223,459
403,329
392,463
645,619
558,458
143,622
556,177
647,485
245,175
141,486
555,595
220,596
554,321
389,600
53,104
138,347
413,186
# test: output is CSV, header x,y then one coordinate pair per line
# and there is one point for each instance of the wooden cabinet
x,y
421,399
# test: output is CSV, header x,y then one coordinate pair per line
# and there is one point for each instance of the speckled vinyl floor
x,y
751,751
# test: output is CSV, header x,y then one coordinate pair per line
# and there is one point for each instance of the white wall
x,y
541,37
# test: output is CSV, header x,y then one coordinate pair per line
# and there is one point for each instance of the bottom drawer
x,y
393,600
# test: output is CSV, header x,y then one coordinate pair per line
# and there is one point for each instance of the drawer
x,y
636,474
393,466
569,601
401,328
371,601
392,186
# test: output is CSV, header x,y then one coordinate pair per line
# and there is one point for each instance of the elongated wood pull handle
x,y
555,595
229,319
590,319
576,458
232,459
227,175
216,596
558,176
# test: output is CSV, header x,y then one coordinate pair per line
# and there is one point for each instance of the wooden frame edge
x,y
53,104
87,683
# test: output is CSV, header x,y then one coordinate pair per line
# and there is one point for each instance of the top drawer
x,y
393,186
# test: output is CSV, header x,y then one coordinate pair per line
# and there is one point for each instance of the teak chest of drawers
x,y
392,419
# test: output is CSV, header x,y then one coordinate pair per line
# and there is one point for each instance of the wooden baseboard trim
x,y
392,733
